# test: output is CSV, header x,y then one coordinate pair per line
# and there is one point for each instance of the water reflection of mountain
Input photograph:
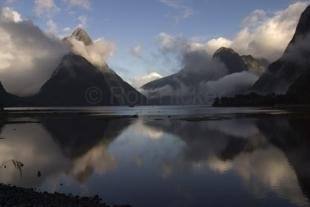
x,y
292,136
75,146
77,135
224,138
268,154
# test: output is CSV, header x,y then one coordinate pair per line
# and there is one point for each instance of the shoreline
x,y
21,197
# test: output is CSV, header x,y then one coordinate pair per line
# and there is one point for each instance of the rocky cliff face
x,y
232,60
294,63
257,66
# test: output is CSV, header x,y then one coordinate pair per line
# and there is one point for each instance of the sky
x,y
144,31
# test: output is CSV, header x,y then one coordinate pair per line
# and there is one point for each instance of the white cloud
x,y
179,44
207,75
28,56
82,21
80,3
229,85
215,44
10,15
263,35
45,7
136,51
172,44
183,11
96,53
141,80
52,27
255,18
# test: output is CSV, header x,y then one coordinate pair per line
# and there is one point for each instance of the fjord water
x,y
169,156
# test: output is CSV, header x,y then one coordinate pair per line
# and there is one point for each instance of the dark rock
x,y
257,66
232,60
284,72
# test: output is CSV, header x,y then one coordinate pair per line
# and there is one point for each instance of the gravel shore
x,y
21,197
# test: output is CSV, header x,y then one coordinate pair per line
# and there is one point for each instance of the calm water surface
x,y
169,156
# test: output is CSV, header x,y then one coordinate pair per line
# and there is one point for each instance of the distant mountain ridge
x,y
286,81
191,82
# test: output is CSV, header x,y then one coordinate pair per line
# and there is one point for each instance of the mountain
x,y
236,63
257,66
81,35
286,81
122,91
9,99
77,82
281,74
232,60
299,89
192,86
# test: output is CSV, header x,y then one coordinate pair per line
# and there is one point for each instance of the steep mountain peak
x,y
224,50
231,59
81,35
281,74
1,88
303,27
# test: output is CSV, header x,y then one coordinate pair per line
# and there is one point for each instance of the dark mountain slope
x,y
283,73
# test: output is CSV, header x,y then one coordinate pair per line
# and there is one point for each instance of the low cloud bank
x,y
28,56
202,77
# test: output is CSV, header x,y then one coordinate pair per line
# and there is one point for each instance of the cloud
x,y
8,14
230,85
264,35
86,4
83,21
255,18
213,45
180,45
141,80
28,56
194,56
201,78
45,7
169,43
96,53
183,11
136,51
52,27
